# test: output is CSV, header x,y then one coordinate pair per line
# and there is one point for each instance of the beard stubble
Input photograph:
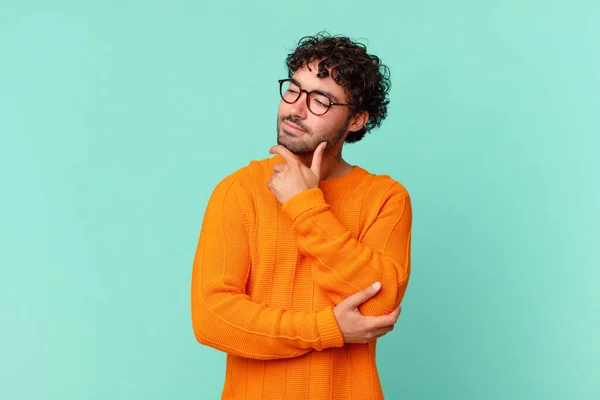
x,y
308,142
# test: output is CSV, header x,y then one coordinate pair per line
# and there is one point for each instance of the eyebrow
x,y
323,92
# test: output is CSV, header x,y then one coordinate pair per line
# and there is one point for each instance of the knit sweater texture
x,y
266,277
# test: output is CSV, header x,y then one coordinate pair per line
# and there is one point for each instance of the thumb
x,y
317,159
358,298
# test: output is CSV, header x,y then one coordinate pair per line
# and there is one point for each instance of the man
x,y
303,259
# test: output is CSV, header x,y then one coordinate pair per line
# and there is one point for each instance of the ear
x,y
358,120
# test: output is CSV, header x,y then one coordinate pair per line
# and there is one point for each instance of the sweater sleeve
x,y
344,265
223,314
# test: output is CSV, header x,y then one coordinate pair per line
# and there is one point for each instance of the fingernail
x,y
376,285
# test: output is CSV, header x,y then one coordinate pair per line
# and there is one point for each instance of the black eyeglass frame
x,y
331,103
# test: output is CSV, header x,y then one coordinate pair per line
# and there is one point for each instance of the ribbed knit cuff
x,y
331,335
303,202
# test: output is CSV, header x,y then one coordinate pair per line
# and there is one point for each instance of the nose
x,y
299,108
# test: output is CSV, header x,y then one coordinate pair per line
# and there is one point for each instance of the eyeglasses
x,y
317,102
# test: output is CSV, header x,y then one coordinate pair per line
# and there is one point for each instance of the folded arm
x,y
223,315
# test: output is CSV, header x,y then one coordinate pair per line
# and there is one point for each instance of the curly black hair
x,y
363,76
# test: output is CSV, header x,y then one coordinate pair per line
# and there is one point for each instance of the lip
x,y
292,126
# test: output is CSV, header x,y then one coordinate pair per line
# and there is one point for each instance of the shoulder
x,y
244,181
384,187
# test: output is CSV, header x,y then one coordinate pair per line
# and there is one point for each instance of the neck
x,y
333,164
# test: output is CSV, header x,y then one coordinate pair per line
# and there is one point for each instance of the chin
x,y
296,145
296,148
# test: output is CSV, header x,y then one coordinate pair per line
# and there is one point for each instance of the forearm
x,y
232,323
223,315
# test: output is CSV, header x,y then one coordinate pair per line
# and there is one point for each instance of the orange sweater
x,y
266,277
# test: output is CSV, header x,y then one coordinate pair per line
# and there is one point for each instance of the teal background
x,y
118,118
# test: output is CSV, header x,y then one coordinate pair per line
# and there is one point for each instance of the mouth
x,y
288,125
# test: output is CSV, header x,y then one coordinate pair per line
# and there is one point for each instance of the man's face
x,y
331,127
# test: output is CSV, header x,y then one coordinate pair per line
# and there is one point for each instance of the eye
x,y
320,99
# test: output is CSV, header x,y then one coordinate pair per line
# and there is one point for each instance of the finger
x,y
396,312
317,159
386,320
360,297
375,334
279,167
382,331
285,153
